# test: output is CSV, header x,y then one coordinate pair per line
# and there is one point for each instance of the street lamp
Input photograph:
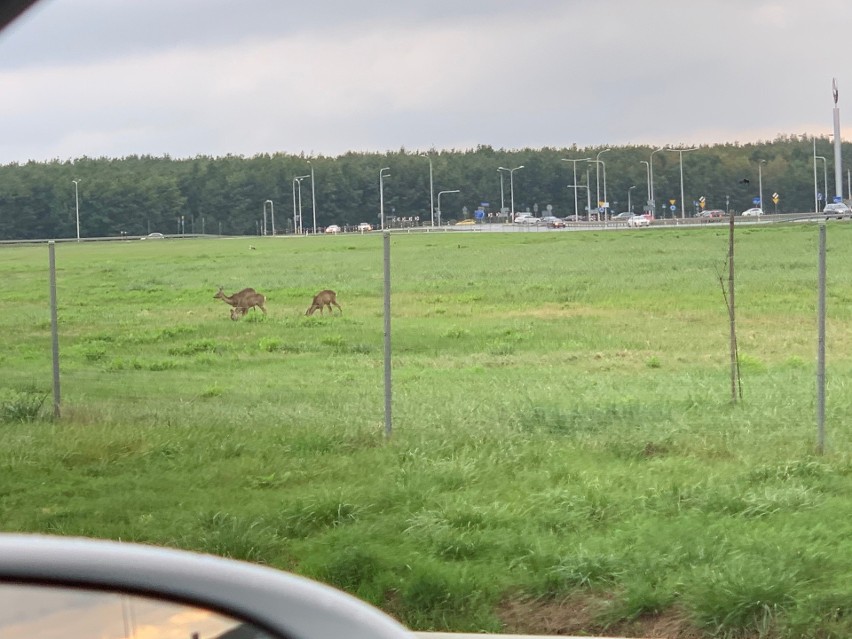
x,y
431,189
511,187
272,214
502,198
647,179
440,193
629,205
825,178
682,201
382,175
598,177
297,212
313,201
575,180
652,202
77,204
760,164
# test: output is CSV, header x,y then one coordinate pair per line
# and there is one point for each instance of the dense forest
x,y
236,195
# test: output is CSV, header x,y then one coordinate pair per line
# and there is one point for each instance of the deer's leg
x,y
338,306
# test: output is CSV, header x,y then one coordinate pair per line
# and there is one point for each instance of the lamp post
x,y
825,178
760,164
816,198
652,201
299,188
511,187
647,180
629,205
382,176
313,201
77,205
502,198
682,201
272,214
297,212
575,180
600,162
431,189
440,193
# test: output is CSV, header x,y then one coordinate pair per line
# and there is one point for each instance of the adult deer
x,y
323,299
242,301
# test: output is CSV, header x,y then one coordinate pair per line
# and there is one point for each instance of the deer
x,y
242,301
323,299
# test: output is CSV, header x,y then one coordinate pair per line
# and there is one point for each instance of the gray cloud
x,y
99,77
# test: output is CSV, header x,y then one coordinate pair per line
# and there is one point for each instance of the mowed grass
x,y
565,454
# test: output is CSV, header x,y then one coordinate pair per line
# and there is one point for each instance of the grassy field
x,y
565,456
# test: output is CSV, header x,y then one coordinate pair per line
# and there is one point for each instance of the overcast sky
x,y
111,78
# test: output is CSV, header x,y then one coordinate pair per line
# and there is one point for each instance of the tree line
x,y
137,195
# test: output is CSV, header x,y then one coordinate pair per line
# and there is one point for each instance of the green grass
x,y
564,445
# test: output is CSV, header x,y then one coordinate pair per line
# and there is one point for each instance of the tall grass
x,y
564,446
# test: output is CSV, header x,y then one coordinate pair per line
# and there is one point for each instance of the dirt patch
x,y
582,614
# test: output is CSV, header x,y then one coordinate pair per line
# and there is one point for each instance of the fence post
x,y
54,327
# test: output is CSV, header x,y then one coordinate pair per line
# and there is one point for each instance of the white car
x,y
332,228
638,220
526,218
837,209
364,226
755,212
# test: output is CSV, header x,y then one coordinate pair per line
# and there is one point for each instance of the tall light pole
x,y
431,189
838,160
816,197
760,164
313,200
297,212
511,187
382,176
629,205
653,202
77,204
440,193
575,180
682,201
647,180
502,198
598,163
825,178
272,213
299,188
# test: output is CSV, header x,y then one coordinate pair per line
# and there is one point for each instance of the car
x,y
526,218
153,236
622,217
553,222
58,586
465,222
365,226
753,212
638,220
837,209
711,213
332,229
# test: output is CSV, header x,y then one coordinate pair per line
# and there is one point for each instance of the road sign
x,y
755,201
479,214
775,198
673,207
672,202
